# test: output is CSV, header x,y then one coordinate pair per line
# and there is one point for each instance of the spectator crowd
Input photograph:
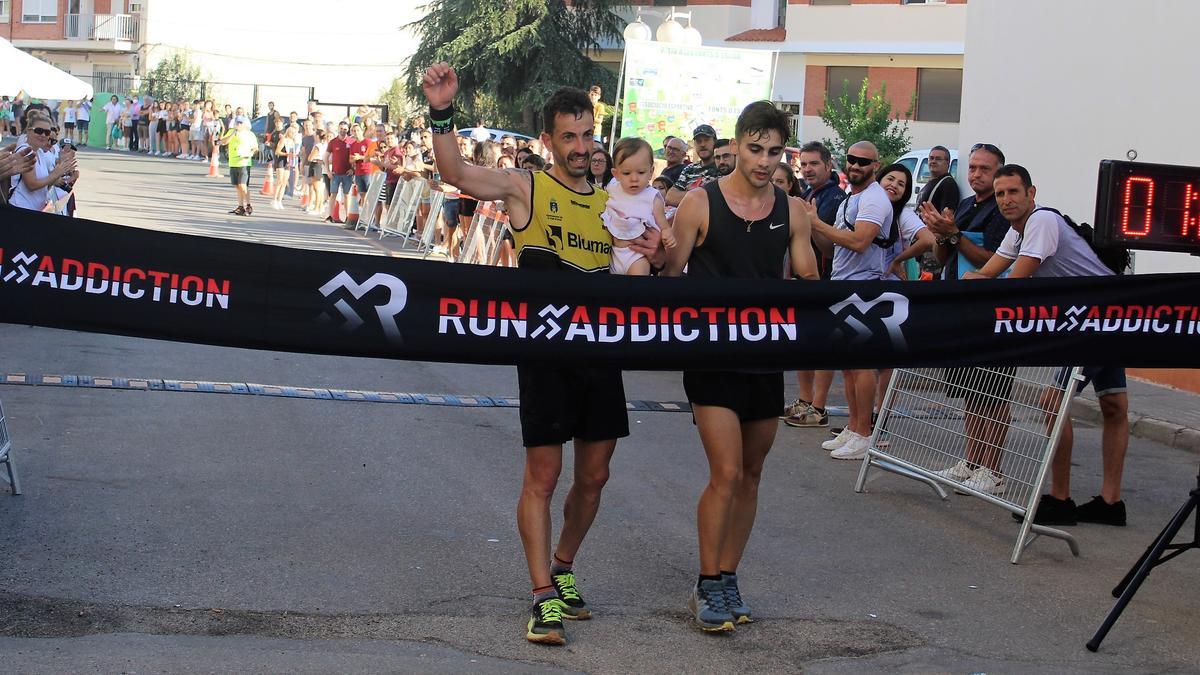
x,y
865,223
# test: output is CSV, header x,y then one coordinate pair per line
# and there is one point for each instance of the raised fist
x,y
440,84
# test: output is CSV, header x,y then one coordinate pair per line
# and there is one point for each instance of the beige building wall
x,y
1060,101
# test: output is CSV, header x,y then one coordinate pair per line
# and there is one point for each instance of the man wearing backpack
x,y
861,230
1042,243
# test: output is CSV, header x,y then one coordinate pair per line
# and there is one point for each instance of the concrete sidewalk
x,y
1157,413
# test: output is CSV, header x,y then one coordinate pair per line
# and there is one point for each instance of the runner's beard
x,y
572,171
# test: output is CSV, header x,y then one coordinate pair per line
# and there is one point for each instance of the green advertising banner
x,y
672,89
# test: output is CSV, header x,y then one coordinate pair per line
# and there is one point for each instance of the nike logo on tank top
x,y
737,249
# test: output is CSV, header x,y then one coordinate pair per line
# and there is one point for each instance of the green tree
x,y
175,78
511,54
867,117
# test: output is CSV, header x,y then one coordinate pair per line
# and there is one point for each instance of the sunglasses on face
x,y
855,160
40,131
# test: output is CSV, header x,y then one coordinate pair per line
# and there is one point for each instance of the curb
x,y
1143,426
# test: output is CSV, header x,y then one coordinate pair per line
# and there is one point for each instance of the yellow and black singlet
x,y
564,230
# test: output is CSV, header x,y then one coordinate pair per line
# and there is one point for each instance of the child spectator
x,y
633,206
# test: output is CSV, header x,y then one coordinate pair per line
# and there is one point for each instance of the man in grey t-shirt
x,y
1040,243
862,219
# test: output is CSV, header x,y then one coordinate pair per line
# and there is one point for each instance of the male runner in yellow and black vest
x,y
555,220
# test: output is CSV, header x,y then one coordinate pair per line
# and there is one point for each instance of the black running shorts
x,y
751,396
558,404
239,175
988,385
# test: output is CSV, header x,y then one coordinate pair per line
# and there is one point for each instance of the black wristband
x,y
441,121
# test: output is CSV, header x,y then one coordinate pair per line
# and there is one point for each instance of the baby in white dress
x,y
633,205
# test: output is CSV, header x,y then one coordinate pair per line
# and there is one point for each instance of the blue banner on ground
x,y
91,276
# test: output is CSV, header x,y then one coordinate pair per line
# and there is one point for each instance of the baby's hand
x,y
668,238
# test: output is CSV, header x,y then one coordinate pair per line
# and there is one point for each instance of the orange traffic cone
x,y
268,187
352,200
212,168
304,199
335,209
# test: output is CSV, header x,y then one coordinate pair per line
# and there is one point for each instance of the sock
x,y
820,410
708,577
726,575
544,593
560,566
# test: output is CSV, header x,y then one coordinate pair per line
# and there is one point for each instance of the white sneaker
x,y
839,440
985,481
959,472
855,448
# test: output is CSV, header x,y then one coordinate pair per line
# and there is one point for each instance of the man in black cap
x,y
697,173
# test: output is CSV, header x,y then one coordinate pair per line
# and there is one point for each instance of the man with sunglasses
x,y
857,238
971,234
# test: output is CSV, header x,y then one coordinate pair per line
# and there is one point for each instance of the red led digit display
x,y
1139,200
1148,206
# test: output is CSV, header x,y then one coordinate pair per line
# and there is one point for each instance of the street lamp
x,y
669,31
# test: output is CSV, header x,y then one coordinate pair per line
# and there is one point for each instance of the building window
x,y
923,2
939,94
830,2
39,11
4,11
846,80
793,110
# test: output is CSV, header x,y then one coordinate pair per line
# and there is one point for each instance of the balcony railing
x,y
102,27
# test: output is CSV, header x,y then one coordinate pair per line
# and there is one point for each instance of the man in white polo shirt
x,y
857,241
1040,243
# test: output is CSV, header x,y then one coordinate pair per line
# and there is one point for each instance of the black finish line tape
x,y
312,393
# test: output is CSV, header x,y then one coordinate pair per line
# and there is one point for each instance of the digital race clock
x,y
1148,206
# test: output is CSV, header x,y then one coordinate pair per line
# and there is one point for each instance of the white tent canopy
x,y
21,72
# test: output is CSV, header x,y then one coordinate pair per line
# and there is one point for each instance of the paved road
x,y
204,532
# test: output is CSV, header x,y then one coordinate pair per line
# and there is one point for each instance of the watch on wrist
x,y
952,240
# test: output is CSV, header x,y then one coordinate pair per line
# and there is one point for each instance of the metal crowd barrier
x,y
935,422
6,456
430,229
402,213
481,245
366,217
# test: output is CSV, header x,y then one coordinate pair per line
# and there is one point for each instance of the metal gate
x,y
941,425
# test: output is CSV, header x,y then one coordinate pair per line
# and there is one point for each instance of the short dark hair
x,y
535,160
819,148
1015,170
721,142
564,101
760,117
942,148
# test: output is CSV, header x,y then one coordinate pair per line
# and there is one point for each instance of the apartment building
x,y
914,47
238,45
96,40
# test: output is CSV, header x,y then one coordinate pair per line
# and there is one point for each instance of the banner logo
x,y
387,312
1174,319
864,321
129,283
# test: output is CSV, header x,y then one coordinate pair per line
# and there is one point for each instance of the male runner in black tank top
x,y
558,403
740,226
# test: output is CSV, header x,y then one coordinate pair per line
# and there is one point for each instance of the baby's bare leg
x,y
638,268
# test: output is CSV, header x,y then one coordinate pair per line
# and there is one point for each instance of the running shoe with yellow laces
x,y
545,623
576,609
